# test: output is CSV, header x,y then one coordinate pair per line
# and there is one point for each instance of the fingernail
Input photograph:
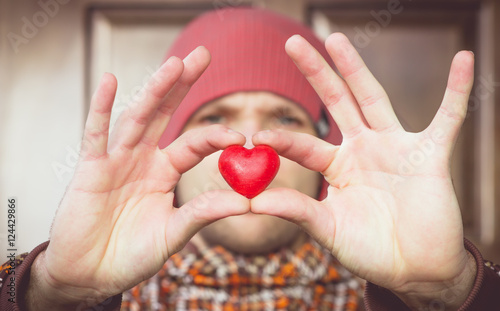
x,y
171,59
264,133
190,53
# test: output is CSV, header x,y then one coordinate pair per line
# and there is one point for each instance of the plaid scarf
x,y
216,279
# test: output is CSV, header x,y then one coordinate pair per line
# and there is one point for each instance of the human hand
x,y
401,230
116,224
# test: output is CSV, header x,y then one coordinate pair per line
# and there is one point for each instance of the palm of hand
x,y
384,212
124,214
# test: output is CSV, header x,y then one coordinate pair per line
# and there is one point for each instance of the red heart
x,y
249,171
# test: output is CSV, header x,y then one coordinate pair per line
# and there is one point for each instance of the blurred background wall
x,y
53,52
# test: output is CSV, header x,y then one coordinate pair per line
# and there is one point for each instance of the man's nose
x,y
248,129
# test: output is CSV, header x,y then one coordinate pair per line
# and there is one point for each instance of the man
x,y
118,223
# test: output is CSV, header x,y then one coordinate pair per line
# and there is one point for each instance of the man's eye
x,y
213,119
289,120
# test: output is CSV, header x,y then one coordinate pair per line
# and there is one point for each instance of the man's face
x,y
248,113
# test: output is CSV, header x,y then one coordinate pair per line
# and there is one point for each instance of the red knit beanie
x,y
247,46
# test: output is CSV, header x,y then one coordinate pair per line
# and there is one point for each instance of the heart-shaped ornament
x,y
249,171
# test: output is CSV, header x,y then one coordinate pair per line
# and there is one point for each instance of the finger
x,y
453,109
194,145
332,90
201,211
194,65
311,215
95,136
131,125
371,97
309,151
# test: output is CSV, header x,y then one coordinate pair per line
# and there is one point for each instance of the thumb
x,y
201,211
311,215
